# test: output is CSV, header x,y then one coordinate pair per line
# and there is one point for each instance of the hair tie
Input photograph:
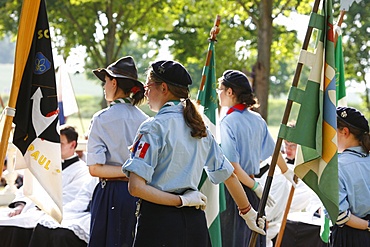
x,y
135,89
184,100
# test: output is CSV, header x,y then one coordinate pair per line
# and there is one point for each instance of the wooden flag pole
x,y
285,216
26,31
290,198
285,119
214,31
2,102
339,24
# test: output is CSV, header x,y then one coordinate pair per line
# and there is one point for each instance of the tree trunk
x,y
262,82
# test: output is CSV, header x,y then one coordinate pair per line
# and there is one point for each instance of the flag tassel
x,y
285,119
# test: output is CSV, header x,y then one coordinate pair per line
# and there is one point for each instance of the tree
x,y
356,46
248,40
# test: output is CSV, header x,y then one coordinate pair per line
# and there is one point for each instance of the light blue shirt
x,y
246,140
354,182
170,159
111,132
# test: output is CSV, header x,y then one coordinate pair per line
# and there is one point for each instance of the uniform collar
x,y
69,161
359,151
238,107
171,103
120,100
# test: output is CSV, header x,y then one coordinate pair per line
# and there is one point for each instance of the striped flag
x,y
66,97
36,120
315,131
208,100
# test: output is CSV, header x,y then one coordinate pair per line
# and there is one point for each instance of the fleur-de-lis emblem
x,y
343,114
40,65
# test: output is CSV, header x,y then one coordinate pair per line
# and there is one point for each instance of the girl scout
x,y
112,130
168,157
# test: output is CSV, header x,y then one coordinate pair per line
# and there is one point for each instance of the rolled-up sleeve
x,y
144,155
218,167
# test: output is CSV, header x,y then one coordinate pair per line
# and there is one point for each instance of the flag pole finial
x,y
215,29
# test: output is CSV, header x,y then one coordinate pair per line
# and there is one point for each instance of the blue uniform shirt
x,y
111,132
246,140
354,182
170,159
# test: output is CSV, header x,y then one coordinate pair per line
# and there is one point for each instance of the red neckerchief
x,y
237,107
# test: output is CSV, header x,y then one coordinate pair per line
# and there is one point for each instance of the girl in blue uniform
x,y
352,227
246,142
111,132
168,157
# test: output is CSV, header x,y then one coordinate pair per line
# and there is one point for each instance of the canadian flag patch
x,y
142,148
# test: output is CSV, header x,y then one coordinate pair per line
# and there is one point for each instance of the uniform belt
x,y
115,179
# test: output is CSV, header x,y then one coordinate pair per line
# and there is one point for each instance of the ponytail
x,y
194,120
133,88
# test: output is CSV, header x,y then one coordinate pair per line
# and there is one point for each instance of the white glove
x,y
195,199
250,220
259,191
289,175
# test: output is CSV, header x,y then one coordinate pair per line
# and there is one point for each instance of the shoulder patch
x,y
142,148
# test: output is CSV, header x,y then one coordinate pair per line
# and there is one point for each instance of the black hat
x,y
237,78
353,117
172,72
122,68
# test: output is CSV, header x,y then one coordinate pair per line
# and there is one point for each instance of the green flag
x,y
207,98
339,69
317,161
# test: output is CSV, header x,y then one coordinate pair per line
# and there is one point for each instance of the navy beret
x,y
353,117
172,72
237,78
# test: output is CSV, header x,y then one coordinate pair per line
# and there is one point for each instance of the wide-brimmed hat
x,y
172,72
353,117
122,68
237,78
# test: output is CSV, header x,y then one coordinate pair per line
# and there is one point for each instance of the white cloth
x,y
304,203
73,177
75,217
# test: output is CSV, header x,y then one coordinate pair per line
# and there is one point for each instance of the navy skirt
x,y
235,232
160,226
113,217
349,237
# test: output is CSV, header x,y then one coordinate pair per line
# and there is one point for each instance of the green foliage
x,y
88,105
249,34
356,45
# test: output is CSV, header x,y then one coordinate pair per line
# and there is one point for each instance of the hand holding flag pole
x,y
214,31
285,119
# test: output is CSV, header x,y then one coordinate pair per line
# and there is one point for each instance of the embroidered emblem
x,y
161,69
142,148
343,114
42,64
